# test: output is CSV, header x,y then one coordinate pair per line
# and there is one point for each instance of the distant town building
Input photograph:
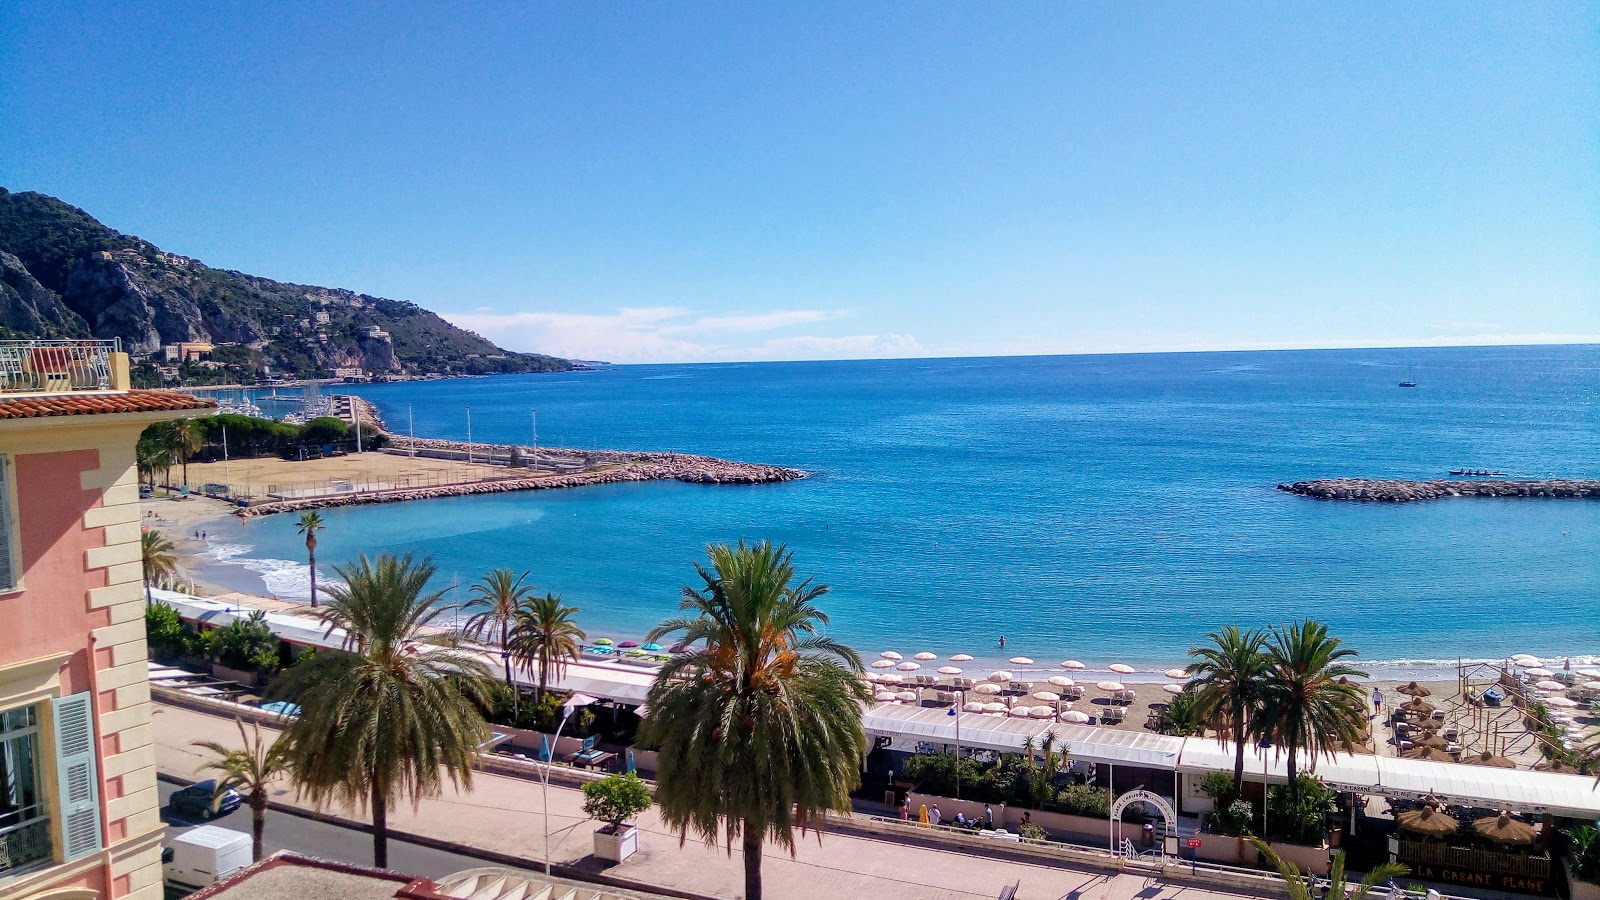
x,y
186,351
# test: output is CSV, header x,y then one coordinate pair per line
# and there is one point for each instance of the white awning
x,y
1007,735
303,630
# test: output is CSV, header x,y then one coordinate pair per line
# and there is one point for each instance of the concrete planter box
x,y
1236,851
616,847
1010,818
1581,890
248,679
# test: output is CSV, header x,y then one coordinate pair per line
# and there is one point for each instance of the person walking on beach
x,y
1377,702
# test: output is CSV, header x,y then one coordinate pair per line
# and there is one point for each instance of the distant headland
x,y
1388,491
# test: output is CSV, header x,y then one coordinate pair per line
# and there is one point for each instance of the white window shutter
x,y
77,775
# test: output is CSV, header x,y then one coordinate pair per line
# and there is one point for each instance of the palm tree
x,y
149,455
1308,700
251,768
544,637
309,524
383,722
1301,886
759,721
158,557
1227,687
495,602
186,442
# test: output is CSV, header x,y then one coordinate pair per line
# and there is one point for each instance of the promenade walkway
x,y
503,815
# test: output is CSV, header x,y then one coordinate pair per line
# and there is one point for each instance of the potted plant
x,y
614,800
1583,862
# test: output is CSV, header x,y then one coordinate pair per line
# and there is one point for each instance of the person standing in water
x,y
1002,642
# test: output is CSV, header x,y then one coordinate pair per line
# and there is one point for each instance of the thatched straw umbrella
x,y
1431,754
1556,766
1503,829
1489,759
1427,821
1414,689
1437,743
1417,706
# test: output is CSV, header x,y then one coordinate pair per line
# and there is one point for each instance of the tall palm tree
x,y
251,767
1308,700
1300,886
544,638
390,719
148,456
759,721
186,442
496,600
158,557
309,524
1228,676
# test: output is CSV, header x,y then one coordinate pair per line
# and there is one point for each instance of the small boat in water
x,y
1408,384
1477,473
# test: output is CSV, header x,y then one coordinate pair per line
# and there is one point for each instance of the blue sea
x,y
1103,508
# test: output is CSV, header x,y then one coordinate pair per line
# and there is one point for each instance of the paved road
x,y
313,838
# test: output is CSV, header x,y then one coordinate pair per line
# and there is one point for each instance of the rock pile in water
x,y
1384,491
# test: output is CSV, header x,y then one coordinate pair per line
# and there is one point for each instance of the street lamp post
x,y
567,709
956,711
1264,745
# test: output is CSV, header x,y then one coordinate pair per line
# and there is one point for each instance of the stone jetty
x,y
1385,491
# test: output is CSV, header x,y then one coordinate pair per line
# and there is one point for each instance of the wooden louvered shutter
x,y
77,776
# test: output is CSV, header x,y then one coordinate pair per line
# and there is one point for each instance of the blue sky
x,y
675,182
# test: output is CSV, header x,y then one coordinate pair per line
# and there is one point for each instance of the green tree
x,y
247,642
393,717
163,629
159,559
309,524
1308,701
759,722
1301,887
250,768
545,637
496,601
325,430
1228,676
615,799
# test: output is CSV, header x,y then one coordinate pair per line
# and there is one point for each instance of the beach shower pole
x,y
411,426
469,437
533,416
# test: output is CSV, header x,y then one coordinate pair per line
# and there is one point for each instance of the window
x,y
24,825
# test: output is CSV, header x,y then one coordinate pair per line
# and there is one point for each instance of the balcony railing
x,y
58,367
24,845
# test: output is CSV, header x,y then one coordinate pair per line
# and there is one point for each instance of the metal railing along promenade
x,y
56,367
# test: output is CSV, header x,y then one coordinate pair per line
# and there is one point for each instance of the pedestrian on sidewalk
x,y
934,816
904,809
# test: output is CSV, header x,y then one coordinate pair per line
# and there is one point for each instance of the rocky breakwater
x,y
1385,491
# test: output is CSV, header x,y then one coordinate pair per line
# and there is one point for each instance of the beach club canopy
x,y
925,655
949,670
1503,829
1061,681
1176,673
890,654
1111,686
961,657
1020,661
1122,668
883,664
986,689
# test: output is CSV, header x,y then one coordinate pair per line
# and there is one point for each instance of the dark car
x,y
202,801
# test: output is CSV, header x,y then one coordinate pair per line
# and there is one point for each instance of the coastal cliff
x,y
1386,491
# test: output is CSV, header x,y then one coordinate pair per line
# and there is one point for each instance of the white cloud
x,y
677,334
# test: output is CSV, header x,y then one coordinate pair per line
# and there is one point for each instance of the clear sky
x,y
678,181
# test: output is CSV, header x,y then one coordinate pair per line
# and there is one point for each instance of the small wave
x,y
286,579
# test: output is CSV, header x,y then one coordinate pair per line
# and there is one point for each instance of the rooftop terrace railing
x,y
59,367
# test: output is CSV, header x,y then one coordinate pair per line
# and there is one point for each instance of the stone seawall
x,y
1384,491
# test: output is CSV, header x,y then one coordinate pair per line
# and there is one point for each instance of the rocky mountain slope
x,y
64,274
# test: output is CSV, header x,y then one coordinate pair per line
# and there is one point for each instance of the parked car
x,y
201,800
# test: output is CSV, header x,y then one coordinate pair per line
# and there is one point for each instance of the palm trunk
x,y
311,553
185,471
258,823
380,829
1238,755
752,860
505,657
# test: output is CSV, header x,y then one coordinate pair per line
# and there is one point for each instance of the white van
x,y
203,855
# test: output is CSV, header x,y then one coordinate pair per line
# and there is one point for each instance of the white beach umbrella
x,y
1075,717
1537,672
1021,712
890,654
972,706
872,676
1073,664
1109,686
890,678
949,670
907,696
1044,712
961,657
1591,685
1001,675
994,707
1176,673
1548,685
883,664
925,655
883,696
1588,672
1563,702
1172,688
1525,659
1020,661
1046,696
1061,681
908,667
990,689
1121,668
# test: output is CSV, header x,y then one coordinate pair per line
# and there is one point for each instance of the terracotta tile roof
x,y
89,404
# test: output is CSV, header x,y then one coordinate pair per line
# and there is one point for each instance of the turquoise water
x,y
1097,507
